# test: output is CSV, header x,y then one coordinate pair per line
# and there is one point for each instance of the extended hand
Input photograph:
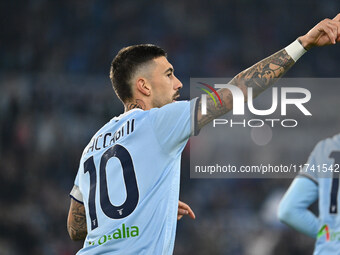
x,y
184,209
324,33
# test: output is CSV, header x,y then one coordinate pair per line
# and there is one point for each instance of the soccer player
x,y
319,180
127,187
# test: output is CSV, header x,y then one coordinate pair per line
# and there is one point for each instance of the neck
x,y
135,104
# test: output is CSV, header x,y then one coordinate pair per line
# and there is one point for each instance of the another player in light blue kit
x,y
319,180
125,196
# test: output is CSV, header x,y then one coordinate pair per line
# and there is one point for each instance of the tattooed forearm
x,y
76,222
137,104
258,77
265,73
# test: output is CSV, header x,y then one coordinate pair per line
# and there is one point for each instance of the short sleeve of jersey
x,y
75,192
309,168
324,160
174,123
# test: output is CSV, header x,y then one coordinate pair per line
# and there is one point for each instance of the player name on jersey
x,y
123,232
107,139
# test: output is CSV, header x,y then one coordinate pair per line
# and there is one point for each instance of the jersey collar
x,y
126,113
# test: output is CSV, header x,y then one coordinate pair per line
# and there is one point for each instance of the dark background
x,y
55,93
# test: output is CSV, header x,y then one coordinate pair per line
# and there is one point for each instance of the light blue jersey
x,y
323,170
128,180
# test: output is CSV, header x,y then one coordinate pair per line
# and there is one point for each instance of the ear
x,y
143,86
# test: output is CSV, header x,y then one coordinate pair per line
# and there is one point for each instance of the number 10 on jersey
x,y
132,193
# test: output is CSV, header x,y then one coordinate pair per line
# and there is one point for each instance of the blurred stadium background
x,y
55,93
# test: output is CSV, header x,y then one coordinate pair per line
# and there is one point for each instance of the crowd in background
x,y
55,93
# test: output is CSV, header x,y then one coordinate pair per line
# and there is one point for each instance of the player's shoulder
x,y
131,113
329,143
335,140
116,123
176,104
175,108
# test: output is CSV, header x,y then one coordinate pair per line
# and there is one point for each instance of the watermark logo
x,y
280,98
239,99
324,230
204,97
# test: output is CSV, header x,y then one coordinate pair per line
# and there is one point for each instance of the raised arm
x,y
76,221
266,72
